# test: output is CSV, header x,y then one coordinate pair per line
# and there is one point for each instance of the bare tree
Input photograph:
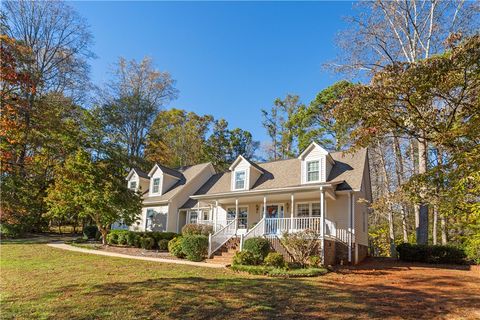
x,y
60,41
132,99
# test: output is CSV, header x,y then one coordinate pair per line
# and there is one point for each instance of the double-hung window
x,y
240,177
193,216
133,185
316,209
313,171
156,185
303,209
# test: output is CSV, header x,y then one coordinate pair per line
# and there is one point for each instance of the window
x,y
316,209
205,214
193,217
240,179
303,209
242,216
313,172
133,185
149,220
156,185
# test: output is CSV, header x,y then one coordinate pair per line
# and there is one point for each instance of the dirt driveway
x,y
397,290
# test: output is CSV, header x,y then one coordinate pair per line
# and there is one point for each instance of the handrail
x,y
257,231
219,238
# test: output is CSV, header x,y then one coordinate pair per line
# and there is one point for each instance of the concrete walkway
x,y
64,246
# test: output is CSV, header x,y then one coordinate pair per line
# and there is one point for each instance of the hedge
x,y
280,272
133,239
260,247
274,259
175,247
195,247
431,253
163,245
196,229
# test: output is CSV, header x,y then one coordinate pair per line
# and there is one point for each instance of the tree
x,y
59,40
223,146
388,32
93,189
130,102
435,100
177,138
315,124
281,126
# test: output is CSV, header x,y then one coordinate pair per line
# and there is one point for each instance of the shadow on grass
x,y
260,298
40,238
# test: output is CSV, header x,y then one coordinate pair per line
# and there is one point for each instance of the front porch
x,y
274,214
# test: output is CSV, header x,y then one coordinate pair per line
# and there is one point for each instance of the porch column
x,y
198,212
350,225
215,216
236,215
322,223
292,209
264,206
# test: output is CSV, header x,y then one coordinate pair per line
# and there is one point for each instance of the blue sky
x,y
229,59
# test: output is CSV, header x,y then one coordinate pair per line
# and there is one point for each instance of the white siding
x,y
133,178
242,165
314,155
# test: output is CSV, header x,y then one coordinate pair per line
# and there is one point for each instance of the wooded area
x,y
410,94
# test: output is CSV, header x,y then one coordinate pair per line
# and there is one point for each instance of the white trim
x,y
323,150
155,167
240,158
263,191
245,181
319,171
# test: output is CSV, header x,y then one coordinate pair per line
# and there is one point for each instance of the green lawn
x,y
40,282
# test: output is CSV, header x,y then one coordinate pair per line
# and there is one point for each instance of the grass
x,y
40,282
280,272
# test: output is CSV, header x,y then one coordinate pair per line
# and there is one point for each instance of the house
x,y
318,190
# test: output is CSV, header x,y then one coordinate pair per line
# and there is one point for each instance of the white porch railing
x,y
282,225
257,231
219,238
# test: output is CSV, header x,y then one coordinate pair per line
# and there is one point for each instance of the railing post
x,y
209,245
241,242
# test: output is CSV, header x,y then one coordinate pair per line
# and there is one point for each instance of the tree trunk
x,y
434,227
422,228
386,181
399,169
443,226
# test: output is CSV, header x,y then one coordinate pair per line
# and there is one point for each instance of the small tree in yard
x,y
94,189
302,245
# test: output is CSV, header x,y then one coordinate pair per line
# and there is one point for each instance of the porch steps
x,y
225,254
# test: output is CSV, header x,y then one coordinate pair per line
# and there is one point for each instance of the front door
x,y
273,221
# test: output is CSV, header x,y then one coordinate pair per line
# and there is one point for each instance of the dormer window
x,y
313,171
156,185
240,177
133,185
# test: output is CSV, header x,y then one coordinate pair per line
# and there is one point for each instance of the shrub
x,y
314,261
175,247
132,239
258,246
280,272
196,229
195,247
472,249
90,232
301,245
112,238
431,253
122,238
147,243
163,244
274,259
245,258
